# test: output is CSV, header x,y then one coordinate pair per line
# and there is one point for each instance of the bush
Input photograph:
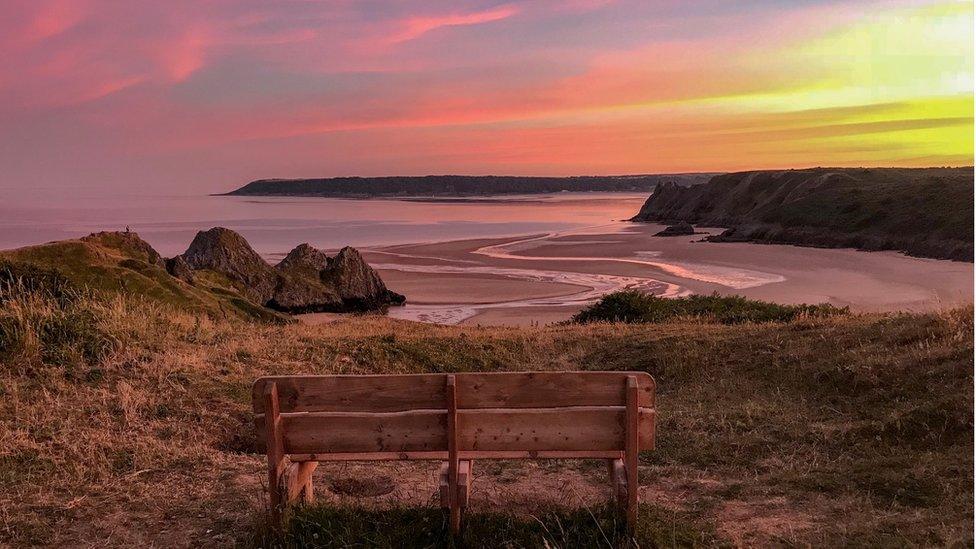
x,y
633,306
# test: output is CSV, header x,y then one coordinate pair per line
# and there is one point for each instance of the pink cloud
x,y
182,56
415,27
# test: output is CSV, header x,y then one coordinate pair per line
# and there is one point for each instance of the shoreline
x,y
542,278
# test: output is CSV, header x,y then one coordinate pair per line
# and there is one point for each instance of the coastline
x,y
539,279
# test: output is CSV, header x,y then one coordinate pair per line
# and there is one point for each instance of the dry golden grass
x,y
129,424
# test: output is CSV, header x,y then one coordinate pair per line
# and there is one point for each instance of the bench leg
x,y
465,477
308,494
277,462
630,454
298,482
618,482
453,463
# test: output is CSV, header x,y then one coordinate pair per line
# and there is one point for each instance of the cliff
x,y
925,212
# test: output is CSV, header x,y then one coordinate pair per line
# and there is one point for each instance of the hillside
x,y
458,185
126,423
922,212
219,275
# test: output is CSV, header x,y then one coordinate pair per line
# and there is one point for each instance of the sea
x,y
275,225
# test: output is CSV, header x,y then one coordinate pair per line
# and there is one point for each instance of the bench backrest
x,y
555,414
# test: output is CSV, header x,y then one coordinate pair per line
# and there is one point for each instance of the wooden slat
x,y
347,393
552,429
549,389
595,429
440,456
318,432
395,393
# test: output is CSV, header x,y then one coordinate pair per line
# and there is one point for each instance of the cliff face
x,y
924,212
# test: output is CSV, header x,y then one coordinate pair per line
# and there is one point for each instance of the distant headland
x,y
460,185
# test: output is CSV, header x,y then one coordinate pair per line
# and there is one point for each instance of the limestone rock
x,y
304,258
300,288
359,286
680,229
226,252
179,268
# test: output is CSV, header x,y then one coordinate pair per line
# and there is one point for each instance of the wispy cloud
x,y
414,27
544,86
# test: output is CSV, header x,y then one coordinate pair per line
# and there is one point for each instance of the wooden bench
x,y
456,418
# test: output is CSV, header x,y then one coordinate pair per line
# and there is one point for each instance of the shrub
x,y
633,306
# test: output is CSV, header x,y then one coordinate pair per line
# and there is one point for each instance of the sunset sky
x,y
197,96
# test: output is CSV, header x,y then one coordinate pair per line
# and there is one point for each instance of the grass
x,y
633,306
821,430
114,264
427,527
924,212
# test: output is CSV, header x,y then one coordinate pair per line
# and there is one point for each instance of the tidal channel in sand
x,y
544,278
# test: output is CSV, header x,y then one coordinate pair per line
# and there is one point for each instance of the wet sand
x,y
545,278
439,288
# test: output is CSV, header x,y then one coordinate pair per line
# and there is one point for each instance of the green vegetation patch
x,y
638,307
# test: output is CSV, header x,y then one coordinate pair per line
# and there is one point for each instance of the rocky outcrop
x,y
300,287
306,280
359,286
304,258
680,229
226,252
926,212
130,244
179,268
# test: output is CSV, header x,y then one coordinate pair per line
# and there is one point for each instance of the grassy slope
x,y
926,212
109,265
851,429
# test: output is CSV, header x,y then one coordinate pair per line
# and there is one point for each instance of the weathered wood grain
x,y
492,430
396,393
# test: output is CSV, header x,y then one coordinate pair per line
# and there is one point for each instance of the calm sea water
x,y
275,225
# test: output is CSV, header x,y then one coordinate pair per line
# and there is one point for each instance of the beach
x,y
542,278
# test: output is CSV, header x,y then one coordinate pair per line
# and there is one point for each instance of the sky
x,y
202,96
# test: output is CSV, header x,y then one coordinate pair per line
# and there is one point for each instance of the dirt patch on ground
x,y
743,521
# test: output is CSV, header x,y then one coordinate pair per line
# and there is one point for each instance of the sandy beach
x,y
545,278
